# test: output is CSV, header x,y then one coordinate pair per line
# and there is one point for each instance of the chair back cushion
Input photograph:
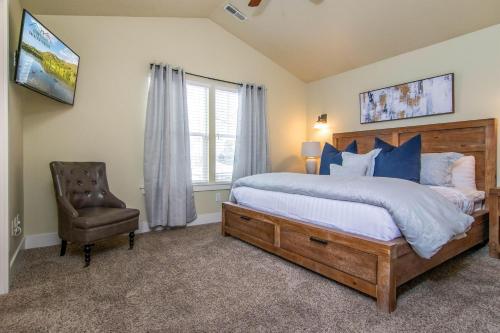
x,y
84,184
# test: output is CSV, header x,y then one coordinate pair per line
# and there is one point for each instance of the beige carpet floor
x,y
194,280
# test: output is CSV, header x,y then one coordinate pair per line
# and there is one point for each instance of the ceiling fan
x,y
254,3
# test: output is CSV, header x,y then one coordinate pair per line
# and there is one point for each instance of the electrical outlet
x,y
218,197
16,226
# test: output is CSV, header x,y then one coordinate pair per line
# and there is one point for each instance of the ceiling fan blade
x,y
254,3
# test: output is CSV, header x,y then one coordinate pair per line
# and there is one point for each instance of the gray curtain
x,y
167,164
251,154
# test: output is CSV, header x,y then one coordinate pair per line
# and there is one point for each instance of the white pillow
x,y
339,170
463,173
367,160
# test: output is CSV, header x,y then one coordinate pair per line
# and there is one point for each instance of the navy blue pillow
x,y
399,162
332,155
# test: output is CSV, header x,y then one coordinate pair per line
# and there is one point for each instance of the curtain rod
x,y
205,77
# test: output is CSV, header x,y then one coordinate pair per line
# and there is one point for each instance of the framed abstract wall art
x,y
427,97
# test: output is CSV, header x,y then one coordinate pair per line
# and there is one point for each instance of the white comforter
x,y
345,215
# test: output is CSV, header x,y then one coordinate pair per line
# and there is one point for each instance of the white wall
x,y
474,58
107,121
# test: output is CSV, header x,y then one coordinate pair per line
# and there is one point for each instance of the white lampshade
x,y
311,149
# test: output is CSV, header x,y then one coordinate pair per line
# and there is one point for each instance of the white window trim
x,y
203,187
211,187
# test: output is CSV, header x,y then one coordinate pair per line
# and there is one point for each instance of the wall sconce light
x,y
321,123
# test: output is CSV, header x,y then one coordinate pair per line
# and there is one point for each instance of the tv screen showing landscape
x,y
45,64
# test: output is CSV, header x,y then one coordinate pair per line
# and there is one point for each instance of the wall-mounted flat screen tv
x,y
44,63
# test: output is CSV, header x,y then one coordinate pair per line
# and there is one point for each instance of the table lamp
x,y
311,150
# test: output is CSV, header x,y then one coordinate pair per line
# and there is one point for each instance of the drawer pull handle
x,y
246,218
318,240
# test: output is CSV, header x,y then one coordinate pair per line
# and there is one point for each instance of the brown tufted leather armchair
x,y
87,210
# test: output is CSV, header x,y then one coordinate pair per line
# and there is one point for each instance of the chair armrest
x,y
66,206
112,201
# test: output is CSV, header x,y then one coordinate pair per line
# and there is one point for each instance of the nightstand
x,y
493,202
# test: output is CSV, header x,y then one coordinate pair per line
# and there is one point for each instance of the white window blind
x,y
198,113
212,112
226,110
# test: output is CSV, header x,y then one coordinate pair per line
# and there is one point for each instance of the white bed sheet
x,y
353,217
468,201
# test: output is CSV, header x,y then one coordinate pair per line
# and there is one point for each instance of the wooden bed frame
x,y
371,266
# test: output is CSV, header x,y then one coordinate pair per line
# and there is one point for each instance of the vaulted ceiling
x,y
138,8
312,38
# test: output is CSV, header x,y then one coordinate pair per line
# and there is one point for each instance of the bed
x,y
373,266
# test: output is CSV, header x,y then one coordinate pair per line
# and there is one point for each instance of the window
x,y
212,109
197,101
226,110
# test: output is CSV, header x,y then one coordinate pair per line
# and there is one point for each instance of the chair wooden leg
x,y
131,237
64,244
86,250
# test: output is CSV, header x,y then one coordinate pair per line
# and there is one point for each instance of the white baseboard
x,y
51,239
41,240
202,219
19,247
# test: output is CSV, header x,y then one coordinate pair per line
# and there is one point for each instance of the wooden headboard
x,y
472,137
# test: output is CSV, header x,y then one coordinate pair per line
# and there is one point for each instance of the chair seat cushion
x,y
94,217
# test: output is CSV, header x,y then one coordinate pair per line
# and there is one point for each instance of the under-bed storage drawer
x,y
342,258
250,226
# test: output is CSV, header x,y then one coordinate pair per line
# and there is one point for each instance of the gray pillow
x,y
436,168
367,160
343,171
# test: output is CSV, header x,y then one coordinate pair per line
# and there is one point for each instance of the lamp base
x,y
311,166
